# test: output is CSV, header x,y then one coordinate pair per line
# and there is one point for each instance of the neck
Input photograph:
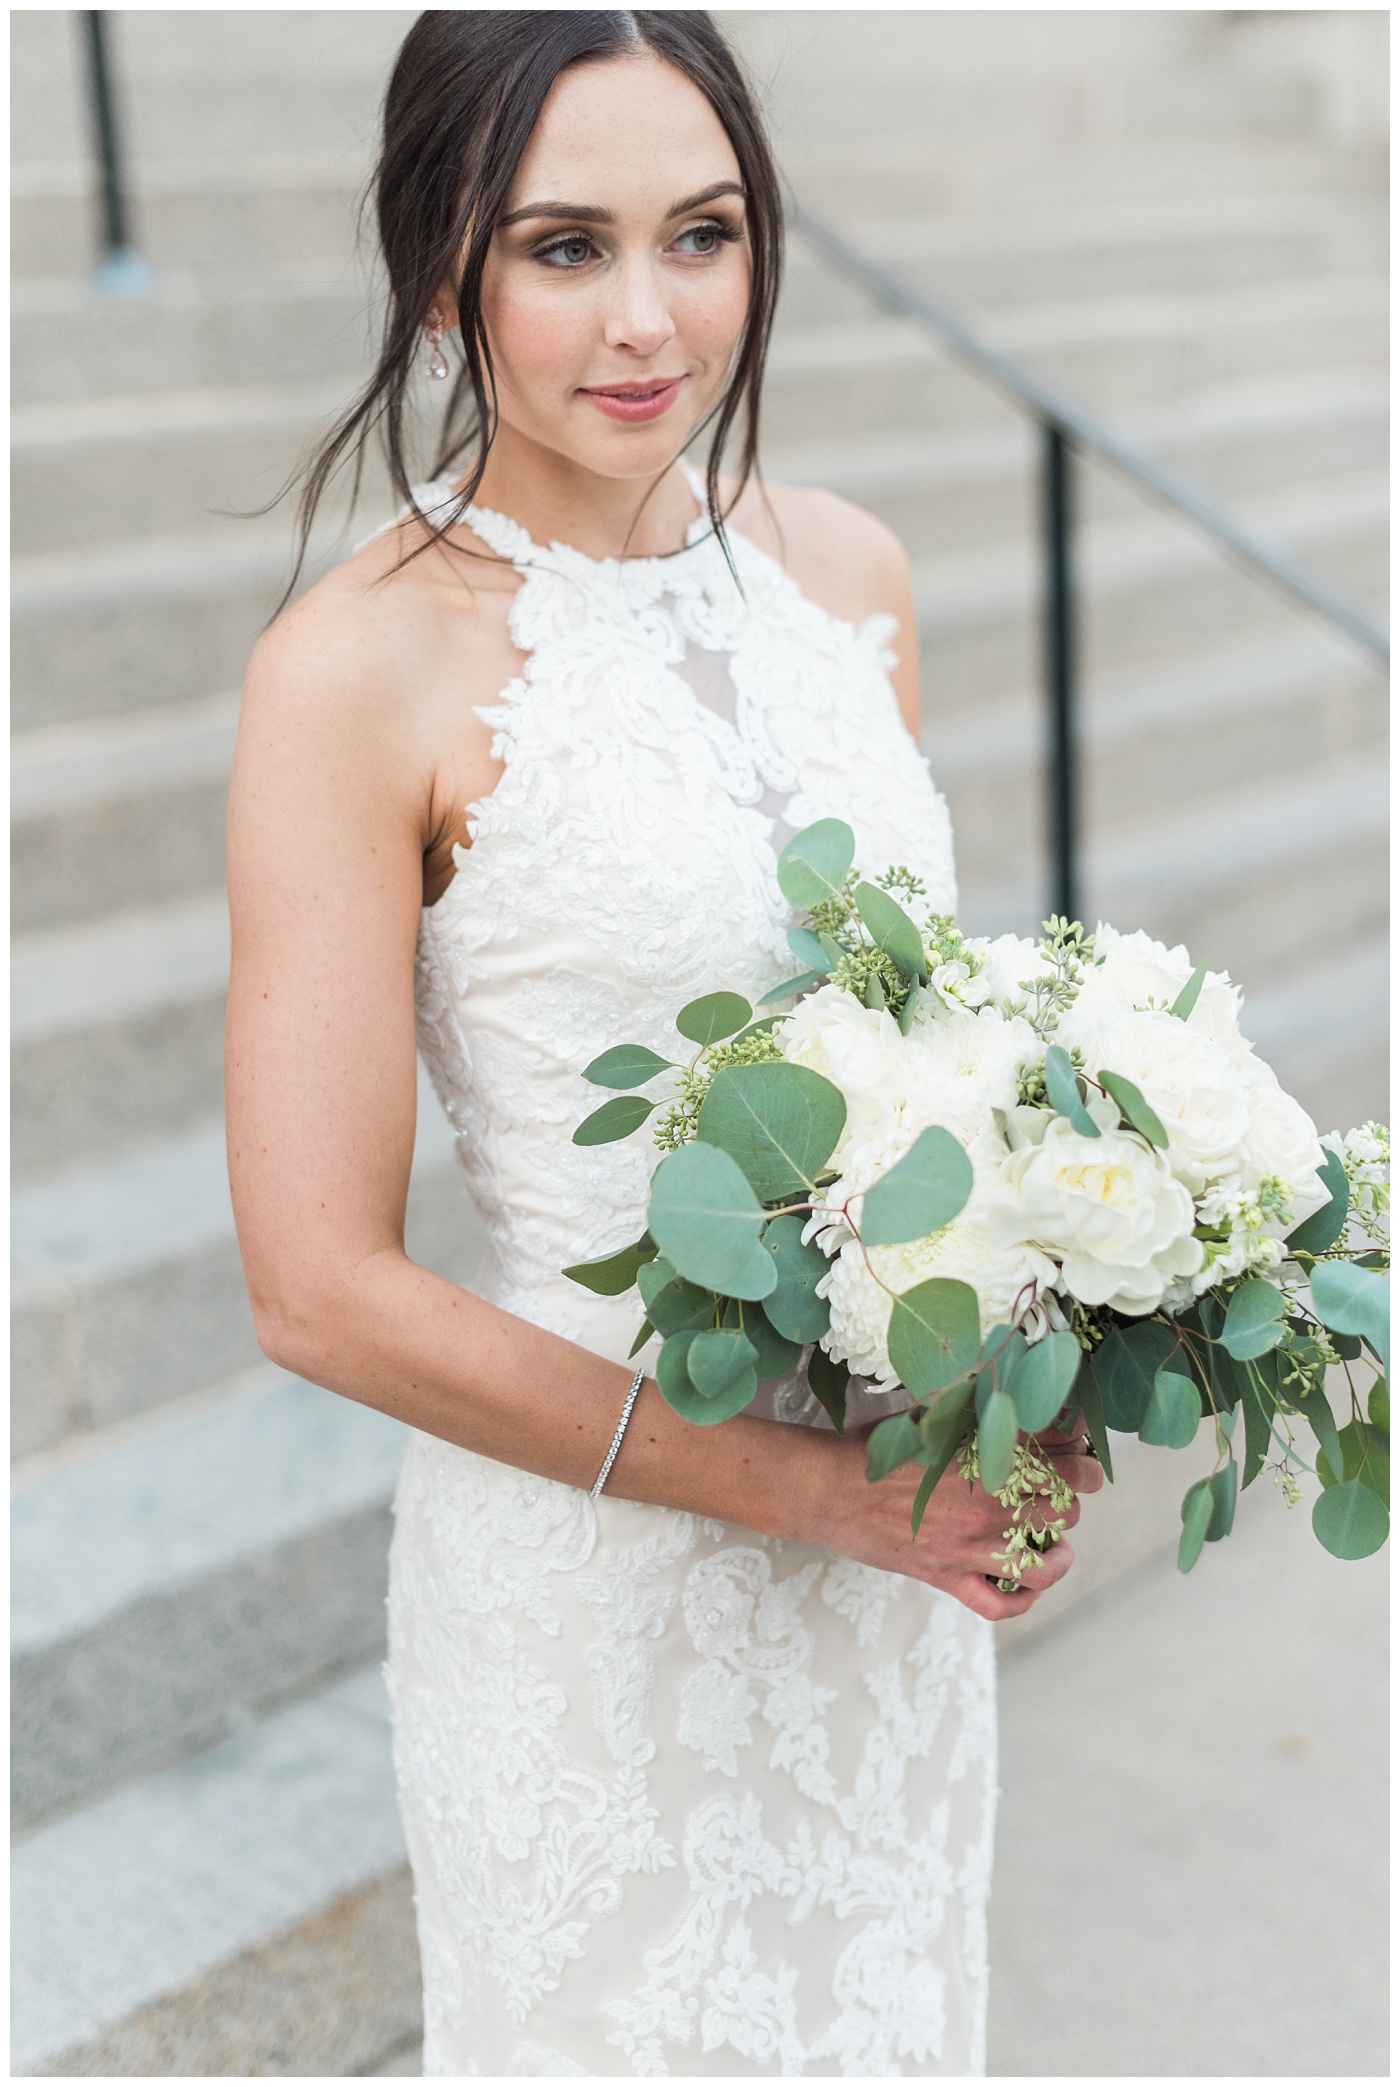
x,y
556,500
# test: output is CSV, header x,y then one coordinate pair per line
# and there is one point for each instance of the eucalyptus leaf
x,y
1313,1404
1349,1521
920,1193
1366,1455
627,1065
709,1020
808,949
999,1354
893,931
776,1355
894,1442
610,1275
875,993
934,1334
1196,1511
1353,1300
1144,1119
616,1119
1222,1485
1324,1227
717,1357
791,987
907,1014
827,1382
1258,1428
944,1425
921,1499
645,1332
1125,1366
1043,1379
1173,1411
996,1441
794,1307
1089,1399
1378,1406
1062,1086
815,863
1190,993
1253,1320
708,1222
654,1276
778,1122
679,1306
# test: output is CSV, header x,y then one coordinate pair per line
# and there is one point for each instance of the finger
x,y
1082,1473
977,1593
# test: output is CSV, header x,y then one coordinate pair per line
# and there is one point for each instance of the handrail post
x,y
1061,669
122,271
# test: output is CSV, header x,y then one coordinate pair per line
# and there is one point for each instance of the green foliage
x,y
1190,993
934,1334
827,1381
616,1119
1089,1399
673,1376
1311,1401
711,1019
793,1306
791,987
1222,1487
1324,1227
1173,1411
894,1442
1366,1455
1042,1379
776,1355
756,1045
815,863
1349,1521
612,1274
1258,1435
1196,1512
996,1441
780,1123
809,949
708,1222
1125,1368
717,1357
944,1426
921,1193
1066,950
1378,1406
1353,1300
628,1065
1253,1320
1063,1089
1144,1120
893,931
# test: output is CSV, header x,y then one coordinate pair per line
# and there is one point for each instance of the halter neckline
x,y
510,539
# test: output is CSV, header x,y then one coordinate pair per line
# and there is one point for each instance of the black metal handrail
x,y
1065,428
121,270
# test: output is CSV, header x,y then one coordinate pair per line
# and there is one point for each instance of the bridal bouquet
x,y
1024,1182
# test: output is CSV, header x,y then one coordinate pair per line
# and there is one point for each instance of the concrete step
x,y
1116,354
265,324
243,1911
127,1287
117,1031
87,797
89,470
202,1563
1272,713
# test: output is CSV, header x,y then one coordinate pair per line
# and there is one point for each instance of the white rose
x,y
1137,972
1282,1140
1107,1208
1194,1085
860,1050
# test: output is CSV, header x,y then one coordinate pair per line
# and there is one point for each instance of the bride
x,y
697,1770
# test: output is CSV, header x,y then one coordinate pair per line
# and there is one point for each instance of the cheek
x,y
537,337
709,311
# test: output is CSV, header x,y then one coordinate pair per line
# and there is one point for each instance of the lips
x,y
647,399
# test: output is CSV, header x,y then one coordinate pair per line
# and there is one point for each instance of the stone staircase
x,y
209,1874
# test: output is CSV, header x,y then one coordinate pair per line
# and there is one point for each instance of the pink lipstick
x,y
644,399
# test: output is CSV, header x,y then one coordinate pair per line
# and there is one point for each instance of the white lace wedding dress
x,y
679,1798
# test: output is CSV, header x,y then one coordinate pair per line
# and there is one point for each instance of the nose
x,y
638,318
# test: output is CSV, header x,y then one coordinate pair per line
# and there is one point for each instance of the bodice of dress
x,y
676,720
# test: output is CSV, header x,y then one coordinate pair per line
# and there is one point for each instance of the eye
x,y
570,252
706,239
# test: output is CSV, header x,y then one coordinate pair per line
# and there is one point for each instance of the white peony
x,y
1132,972
1199,1091
1007,962
860,1050
1007,1277
1282,1140
1107,1208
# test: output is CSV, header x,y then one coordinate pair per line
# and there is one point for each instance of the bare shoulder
x,y
841,557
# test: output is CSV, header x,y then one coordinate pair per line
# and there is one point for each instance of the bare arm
x,y
327,829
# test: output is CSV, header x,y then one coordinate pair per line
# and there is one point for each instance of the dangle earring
x,y
437,361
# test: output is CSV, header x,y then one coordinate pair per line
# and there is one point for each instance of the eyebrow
x,y
594,214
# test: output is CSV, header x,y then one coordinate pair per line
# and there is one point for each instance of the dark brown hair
x,y
463,100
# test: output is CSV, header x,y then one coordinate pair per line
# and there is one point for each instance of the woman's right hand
x,y
961,1536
